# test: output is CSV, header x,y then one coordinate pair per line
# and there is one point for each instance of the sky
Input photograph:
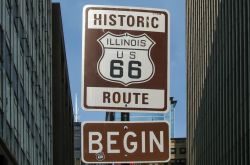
x,y
72,26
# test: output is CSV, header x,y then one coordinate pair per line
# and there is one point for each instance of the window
x,y
21,123
173,150
16,147
1,123
15,14
15,116
7,100
27,8
8,135
21,95
1,89
14,79
26,79
26,138
1,43
20,65
8,20
15,49
26,111
182,150
7,60
32,125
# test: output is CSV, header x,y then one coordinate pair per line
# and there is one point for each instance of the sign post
x,y
125,68
125,59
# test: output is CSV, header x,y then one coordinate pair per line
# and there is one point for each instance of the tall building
x,y
25,82
77,143
218,76
178,152
63,120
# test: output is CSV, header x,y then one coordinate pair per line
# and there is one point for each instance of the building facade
x,y
63,119
77,143
178,152
218,76
25,82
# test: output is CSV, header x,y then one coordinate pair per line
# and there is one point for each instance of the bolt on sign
x,y
123,142
125,59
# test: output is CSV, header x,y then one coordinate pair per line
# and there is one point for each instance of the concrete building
x,y
178,152
218,88
25,82
77,143
63,128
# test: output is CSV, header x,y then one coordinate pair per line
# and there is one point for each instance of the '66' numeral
x,y
116,69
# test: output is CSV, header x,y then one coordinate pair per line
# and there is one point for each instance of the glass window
x,y
8,103
20,64
1,89
16,147
1,43
30,87
26,79
8,135
21,122
21,95
1,124
7,60
15,14
173,150
8,20
15,49
15,116
182,150
21,32
14,79
26,111
32,125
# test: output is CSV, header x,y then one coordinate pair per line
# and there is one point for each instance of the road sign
x,y
125,59
122,142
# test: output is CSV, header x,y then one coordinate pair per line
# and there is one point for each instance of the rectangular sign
x,y
125,63
126,20
128,98
122,142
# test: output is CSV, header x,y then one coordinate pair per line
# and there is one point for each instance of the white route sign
x,y
125,59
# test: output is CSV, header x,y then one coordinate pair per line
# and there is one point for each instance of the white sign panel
x,y
125,59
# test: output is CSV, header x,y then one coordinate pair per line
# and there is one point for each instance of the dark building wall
x,y
218,72
25,82
63,131
6,157
77,143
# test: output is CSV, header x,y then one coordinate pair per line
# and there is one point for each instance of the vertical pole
x,y
125,116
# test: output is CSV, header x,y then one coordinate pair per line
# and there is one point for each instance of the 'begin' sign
x,y
125,142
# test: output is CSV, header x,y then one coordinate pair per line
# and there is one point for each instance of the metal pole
x,y
125,116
